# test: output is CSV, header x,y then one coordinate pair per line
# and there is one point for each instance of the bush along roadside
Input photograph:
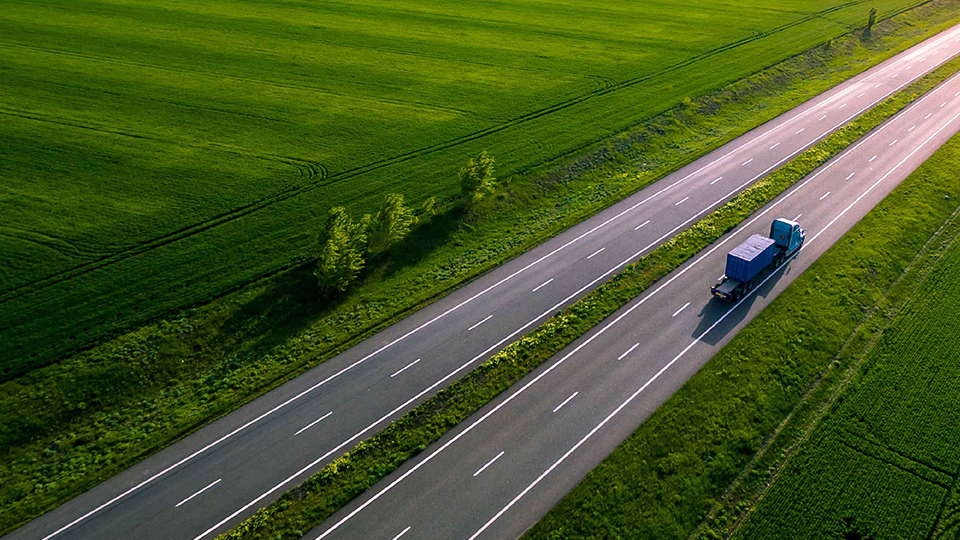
x,y
68,426
306,506
745,412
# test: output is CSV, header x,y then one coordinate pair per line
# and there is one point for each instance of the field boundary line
x,y
850,372
325,180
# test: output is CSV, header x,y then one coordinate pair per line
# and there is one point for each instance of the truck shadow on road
x,y
715,309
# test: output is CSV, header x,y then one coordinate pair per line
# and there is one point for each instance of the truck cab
x,y
789,237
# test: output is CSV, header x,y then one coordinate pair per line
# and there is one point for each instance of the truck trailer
x,y
746,262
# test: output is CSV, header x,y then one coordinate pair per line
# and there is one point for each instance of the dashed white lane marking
x,y
957,94
716,180
311,424
824,196
877,85
871,159
774,146
640,226
630,350
670,364
894,142
368,428
215,482
894,76
677,312
681,201
928,116
403,532
863,94
595,253
799,131
849,176
844,105
798,217
573,395
911,129
821,118
404,368
487,318
489,463
745,162
542,285
942,104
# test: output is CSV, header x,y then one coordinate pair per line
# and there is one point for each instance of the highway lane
x,y
224,472
498,472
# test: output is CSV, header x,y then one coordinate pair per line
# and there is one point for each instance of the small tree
x,y
342,245
429,208
390,224
872,19
476,179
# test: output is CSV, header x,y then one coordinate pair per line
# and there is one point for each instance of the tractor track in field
x,y
63,246
309,171
289,85
318,176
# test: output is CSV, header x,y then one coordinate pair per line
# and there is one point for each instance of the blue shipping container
x,y
750,258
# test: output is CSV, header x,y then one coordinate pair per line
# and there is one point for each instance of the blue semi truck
x,y
758,253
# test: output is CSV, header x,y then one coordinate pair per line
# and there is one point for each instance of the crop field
x,y
155,153
885,461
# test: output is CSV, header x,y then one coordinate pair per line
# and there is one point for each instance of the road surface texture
x,y
214,478
501,470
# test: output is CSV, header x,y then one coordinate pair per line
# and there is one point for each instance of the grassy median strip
x,y
309,504
68,426
727,423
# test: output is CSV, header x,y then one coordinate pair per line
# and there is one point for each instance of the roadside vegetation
x,y
69,425
881,466
307,505
158,153
890,438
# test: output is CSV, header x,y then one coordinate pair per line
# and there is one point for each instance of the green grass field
x,y
154,154
885,462
698,465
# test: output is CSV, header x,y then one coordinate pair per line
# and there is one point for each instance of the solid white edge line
x,y
630,350
403,532
699,338
489,463
542,285
215,482
410,365
559,362
901,57
485,319
677,312
550,311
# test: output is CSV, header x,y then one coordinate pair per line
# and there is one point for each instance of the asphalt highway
x,y
497,473
223,473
